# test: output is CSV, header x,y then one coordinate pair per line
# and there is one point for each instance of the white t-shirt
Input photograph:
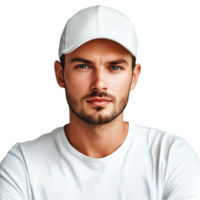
x,y
150,164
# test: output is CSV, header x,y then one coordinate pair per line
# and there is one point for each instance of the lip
x,y
97,99
99,103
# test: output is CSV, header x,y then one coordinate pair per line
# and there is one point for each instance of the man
x,y
98,155
97,94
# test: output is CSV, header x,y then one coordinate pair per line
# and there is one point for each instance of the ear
x,y
58,75
136,76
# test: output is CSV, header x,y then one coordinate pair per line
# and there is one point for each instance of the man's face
x,y
98,79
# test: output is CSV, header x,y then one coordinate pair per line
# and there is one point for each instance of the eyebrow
x,y
90,62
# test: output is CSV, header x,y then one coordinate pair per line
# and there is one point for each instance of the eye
x,y
78,66
118,67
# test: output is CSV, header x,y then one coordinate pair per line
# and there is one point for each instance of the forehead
x,y
104,42
100,47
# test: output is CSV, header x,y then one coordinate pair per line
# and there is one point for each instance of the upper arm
x,y
14,183
182,174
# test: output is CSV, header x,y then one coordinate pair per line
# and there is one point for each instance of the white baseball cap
x,y
98,22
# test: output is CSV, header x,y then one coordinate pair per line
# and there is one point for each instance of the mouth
x,y
99,103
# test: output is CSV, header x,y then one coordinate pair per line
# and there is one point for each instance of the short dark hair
x,y
62,61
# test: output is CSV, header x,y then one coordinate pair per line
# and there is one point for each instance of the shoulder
x,y
22,151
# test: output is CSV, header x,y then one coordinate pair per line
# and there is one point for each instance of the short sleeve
x,y
14,183
182,173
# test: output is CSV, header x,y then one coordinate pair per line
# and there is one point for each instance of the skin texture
x,y
97,131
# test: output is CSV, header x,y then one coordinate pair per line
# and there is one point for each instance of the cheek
x,y
121,84
117,84
75,83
